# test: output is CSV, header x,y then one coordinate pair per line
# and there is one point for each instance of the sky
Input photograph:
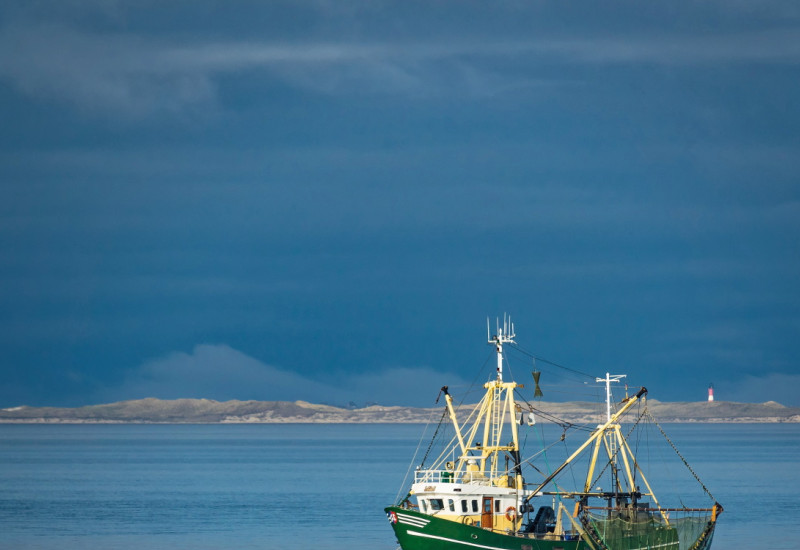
x,y
324,201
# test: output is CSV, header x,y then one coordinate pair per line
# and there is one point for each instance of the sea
x,y
324,486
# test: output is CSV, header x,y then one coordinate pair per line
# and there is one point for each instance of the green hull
x,y
416,531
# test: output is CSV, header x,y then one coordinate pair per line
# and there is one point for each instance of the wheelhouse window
x,y
464,506
451,505
475,506
437,504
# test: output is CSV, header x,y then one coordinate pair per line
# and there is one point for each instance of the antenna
x,y
505,335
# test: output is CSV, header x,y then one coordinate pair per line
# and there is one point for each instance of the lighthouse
x,y
710,392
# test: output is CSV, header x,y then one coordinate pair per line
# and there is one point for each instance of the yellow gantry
x,y
595,438
496,409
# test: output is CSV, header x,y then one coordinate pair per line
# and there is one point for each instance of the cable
x,y
674,448
537,358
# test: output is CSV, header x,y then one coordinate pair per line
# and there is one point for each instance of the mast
x,y
499,402
505,335
595,438
483,442
608,379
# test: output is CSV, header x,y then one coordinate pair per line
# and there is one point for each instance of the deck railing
x,y
433,476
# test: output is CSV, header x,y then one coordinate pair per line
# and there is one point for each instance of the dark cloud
x,y
345,193
122,74
222,373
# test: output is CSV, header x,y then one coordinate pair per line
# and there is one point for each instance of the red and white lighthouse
x,y
711,392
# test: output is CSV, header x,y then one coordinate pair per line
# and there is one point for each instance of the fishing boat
x,y
480,492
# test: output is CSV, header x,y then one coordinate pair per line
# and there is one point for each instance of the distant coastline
x,y
205,411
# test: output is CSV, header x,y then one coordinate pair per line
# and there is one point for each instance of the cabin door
x,y
487,516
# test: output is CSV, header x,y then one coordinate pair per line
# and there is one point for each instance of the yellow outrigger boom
x,y
595,437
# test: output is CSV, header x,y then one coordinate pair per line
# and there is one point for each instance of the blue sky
x,y
324,201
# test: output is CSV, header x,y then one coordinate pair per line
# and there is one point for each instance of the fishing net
x,y
647,529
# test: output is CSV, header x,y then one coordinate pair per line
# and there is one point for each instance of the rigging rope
x,y
566,425
430,445
414,458
537,358
674,448
616,451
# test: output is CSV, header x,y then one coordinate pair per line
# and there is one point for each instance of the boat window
x,y
474,505
424,504
464,506
451,505
437,504
497,506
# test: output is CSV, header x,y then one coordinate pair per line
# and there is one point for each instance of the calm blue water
x,y
314,486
